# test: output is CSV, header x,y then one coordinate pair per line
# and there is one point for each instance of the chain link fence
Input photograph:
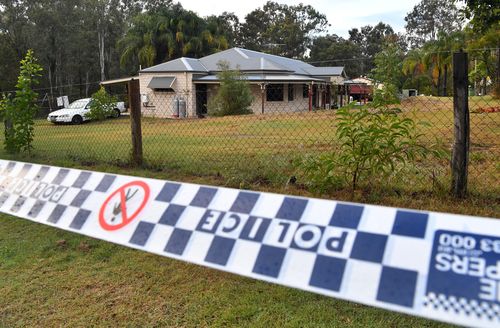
x,y
288,120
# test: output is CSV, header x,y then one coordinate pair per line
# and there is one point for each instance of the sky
x,y
342,14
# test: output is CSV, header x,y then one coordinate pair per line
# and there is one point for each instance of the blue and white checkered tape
x,y
440,266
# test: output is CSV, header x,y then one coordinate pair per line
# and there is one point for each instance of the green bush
x,y
234,96
375,143
102,106
18,112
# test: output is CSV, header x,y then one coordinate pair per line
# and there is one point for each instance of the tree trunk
x,y
100,36
87,84
439,83
80,82
496,84
8,128
445,81
50,80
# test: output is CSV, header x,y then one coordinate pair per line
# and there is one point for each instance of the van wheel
x,y
116,113
77,119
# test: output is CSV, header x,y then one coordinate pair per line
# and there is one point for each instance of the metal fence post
x,y
460,155
135,121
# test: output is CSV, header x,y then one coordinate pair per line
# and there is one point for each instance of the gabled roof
x,y
248,61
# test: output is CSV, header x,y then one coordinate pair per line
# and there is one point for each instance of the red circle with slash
x,y
126,217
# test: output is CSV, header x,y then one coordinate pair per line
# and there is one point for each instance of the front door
x,y
201,100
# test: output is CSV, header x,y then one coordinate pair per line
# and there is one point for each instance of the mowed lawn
x,y
51,278
265,147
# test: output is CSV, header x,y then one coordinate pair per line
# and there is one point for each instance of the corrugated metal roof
x,y
195,64
247,61
161,82
325,71
177,65
294,65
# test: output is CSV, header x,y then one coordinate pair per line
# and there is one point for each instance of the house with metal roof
x,y
183,87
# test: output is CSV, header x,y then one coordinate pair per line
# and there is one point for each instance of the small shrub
x,y
102,105
375,143
18,111
234,96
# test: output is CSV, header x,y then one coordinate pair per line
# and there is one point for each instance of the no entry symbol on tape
x,y
123,205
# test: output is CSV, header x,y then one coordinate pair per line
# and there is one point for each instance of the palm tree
x,y
168,34
449,44
414,65
139,43
433,60
438,57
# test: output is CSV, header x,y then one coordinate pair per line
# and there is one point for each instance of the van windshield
x,y
78,104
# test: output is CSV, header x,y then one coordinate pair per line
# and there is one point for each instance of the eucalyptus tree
x,y
15,25
483,14
370,40
429,18
282,29
333,50
8,64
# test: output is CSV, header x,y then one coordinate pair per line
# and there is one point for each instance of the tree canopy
x,y
484,14
281,29
168,33
333,50
429,18
82,42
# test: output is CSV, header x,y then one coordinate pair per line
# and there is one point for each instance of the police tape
x,y
440,266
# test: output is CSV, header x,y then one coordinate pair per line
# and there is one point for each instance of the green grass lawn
x,y
50,277
54,278
263,148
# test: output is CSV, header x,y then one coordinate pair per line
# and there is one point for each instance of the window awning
x,y
161,82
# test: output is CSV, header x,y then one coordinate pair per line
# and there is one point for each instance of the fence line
x,y
287,122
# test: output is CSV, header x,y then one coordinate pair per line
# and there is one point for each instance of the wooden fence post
x,y
262,95
310,96
134,98
460,155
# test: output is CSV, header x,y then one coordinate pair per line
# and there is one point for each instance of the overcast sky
x,y
342,14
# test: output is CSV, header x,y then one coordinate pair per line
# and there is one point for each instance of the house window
x,y
305,91
290,92
274,92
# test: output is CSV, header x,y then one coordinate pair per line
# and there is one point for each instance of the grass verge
x,y
50,277
54,278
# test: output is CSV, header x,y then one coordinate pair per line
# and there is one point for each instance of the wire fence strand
x,y
286,123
